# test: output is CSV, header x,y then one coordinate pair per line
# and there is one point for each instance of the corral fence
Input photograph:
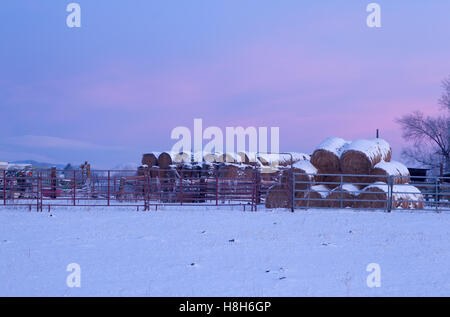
x,y
149,189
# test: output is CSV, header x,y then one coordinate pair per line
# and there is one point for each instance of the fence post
x,y
341,202
436,199
181,187
74,186
293,190
390,190
4,187
109,187
217,188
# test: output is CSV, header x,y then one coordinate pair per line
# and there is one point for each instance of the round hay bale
x,y
374,196
278,197
326,159
227,158
383,170
405,196
348,193
316,197
182,157
210,157
305,174
287,160
247,158
150,159
361,156
326,156
229,171
165,160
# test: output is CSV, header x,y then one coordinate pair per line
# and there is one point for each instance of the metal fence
x,y
151,188
369,192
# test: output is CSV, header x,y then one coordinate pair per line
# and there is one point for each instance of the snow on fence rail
x,y
292,187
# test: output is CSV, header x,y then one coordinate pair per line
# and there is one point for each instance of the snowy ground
x,y
209,252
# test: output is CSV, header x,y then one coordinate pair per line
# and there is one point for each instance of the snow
x,y
393,168
400,191
209,251
296,156
334,145
305,166
350,188
371,148
321,189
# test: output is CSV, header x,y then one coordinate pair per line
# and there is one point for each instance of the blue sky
x,y
117,86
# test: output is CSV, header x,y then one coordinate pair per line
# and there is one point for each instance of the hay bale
x,y
305,175
229,171
326,156
165,160
210,157
316,197
227,158
383,170
348,193
278,197
248,158
150,159
287,160
404,196
326,159
182,157
374,196
361,156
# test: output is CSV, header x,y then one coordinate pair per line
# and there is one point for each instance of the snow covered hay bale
x,y
374,196
305,175
347,194
326,159
278,196
383,170
286,160
316,196
361,156
227,158
182,158
165,160
404,196
150,159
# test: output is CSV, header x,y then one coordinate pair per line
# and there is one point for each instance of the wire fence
x,y
248,188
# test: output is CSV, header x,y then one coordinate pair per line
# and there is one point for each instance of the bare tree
x,y
430,135
444,101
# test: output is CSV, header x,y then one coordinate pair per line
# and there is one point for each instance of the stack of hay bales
x,y
363,166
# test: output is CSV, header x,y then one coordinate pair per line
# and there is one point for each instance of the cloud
x,y
35,141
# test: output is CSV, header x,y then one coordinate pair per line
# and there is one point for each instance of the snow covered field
x,y
223,252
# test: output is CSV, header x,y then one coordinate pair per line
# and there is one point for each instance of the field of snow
x,y
223,252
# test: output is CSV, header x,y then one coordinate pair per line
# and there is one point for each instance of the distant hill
x,y
40,164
